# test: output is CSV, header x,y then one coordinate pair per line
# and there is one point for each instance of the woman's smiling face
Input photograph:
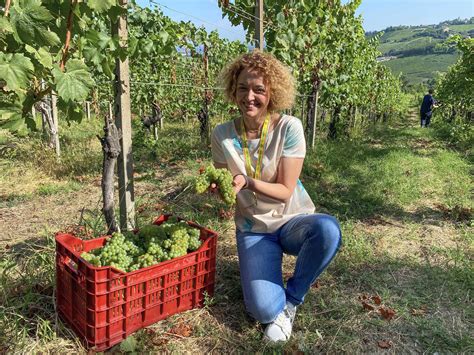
x,y
252,94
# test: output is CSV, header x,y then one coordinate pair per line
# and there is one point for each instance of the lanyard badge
x,y
257,173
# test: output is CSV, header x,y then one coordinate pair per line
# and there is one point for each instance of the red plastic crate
x,y
104,305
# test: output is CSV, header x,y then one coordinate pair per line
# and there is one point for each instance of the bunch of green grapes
x,y
151,245
194,241
92,259
146,260
221,177
116,252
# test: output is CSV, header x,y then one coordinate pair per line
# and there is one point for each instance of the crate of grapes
x,y
105,304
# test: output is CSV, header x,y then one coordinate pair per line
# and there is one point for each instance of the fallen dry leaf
x,y
160,341
387,313
223,214
181,329
385,344
418,312
367,306
317,284
377,299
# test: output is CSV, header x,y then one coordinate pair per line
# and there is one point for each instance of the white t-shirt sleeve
x,y
294,145
218,155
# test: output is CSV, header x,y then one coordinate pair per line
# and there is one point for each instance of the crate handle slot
x,y
71,243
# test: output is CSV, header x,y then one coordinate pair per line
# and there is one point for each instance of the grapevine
x,y
222,178
151,245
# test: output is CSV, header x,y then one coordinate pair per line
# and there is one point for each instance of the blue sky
x,y
377,14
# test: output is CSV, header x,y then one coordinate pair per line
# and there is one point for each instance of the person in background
x,y
264,150
426,109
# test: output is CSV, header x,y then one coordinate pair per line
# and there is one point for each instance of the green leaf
x,y
13,124
9,111
281,19
147,45
16,70
75,83
99,39
129,344
42,55
30,123
107,70
5,25
122,53
101,5
132,46
29,21
283,41
164,36
286,56
94,55
72,110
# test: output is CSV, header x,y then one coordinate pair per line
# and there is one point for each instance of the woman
x,y
264,150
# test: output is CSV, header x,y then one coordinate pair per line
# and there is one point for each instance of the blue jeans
x,y
314,238
425,118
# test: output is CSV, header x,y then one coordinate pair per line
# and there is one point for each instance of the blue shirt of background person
x,y
426,108
427,104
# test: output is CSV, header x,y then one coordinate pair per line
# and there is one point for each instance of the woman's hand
x,y
239,182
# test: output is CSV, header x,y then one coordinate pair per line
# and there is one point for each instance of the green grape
x,y
91,258
153,244
221,177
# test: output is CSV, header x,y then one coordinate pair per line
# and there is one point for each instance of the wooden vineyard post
x,y
302,110
259,23
88,110
54,114
123,121
315,115
207,98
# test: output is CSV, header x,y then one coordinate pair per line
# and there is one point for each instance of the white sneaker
x,y
280,329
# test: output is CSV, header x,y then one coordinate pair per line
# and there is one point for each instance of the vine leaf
x,y
5,26
75,83
10,116
29,21
72,110
101,5
41,55
15,70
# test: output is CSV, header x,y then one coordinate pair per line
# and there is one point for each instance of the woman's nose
x,y
250,95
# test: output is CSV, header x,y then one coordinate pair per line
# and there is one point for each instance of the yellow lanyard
x,y
263,137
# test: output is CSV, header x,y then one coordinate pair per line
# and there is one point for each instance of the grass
x,y
415,43
402,197
419,69
462,28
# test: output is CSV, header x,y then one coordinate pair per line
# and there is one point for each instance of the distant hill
x,y
418,51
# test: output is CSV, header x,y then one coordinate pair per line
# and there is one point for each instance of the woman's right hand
x,y
239,182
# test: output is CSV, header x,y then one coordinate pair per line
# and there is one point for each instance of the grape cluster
x,y
151,245
221,177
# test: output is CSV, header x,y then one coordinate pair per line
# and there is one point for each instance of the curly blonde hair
x,y
275,74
